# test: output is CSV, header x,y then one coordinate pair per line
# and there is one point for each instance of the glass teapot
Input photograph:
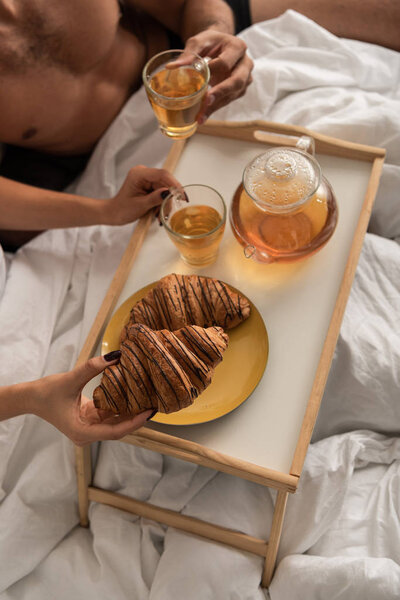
x,y
284,209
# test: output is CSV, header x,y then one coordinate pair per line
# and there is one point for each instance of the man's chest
x,y
65,80
75,35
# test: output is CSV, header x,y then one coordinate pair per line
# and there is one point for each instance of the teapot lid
x,y
282,178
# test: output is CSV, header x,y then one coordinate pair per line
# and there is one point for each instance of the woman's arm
x,y
27,208
58,399
16,400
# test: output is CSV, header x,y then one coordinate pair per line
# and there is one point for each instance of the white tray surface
x,y
296,302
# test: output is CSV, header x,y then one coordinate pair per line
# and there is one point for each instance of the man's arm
x,y
373,21
200,15
189,17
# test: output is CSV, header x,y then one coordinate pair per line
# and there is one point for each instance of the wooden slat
x,y
185,523
200,455
274,538
335,323
82,455
83,465
115,288
266,132
174,155
132,250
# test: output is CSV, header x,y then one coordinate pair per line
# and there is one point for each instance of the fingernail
x,y
186,198
165,193
152,415
114,355
210,100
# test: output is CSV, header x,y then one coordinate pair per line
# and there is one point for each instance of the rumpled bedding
x,y
342,527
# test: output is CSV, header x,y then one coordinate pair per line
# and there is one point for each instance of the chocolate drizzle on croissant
x,y
179,300
162,370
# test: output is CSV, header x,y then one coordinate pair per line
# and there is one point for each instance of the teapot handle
x,y
251,251
307,144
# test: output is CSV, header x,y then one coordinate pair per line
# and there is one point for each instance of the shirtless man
x,y
68,67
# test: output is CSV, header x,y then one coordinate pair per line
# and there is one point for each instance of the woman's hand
x,y
143,189
58,399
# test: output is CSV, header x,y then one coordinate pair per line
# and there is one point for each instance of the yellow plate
x,y
235,377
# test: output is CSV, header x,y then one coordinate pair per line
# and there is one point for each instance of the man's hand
x,y
207,27
230,67
58,399
141,191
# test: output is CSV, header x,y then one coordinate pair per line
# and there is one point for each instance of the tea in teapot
x,y
285,209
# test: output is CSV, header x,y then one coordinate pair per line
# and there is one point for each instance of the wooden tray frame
x,y
265,133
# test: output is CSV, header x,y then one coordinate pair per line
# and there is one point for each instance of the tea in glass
x,y
176,94
196,227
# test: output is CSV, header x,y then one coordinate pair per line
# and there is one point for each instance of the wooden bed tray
x,y
302,304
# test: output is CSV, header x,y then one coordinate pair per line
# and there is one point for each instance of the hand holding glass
x,y
195,225
176,93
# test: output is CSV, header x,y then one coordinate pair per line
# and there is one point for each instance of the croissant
x,y
162,370
179,300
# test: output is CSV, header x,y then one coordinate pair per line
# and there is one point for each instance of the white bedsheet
x,y
342,528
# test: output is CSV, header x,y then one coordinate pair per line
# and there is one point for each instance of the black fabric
x,y
241,10
47,171
174,41
40,170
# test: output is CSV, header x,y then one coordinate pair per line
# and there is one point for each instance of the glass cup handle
x,y
307,144
199,64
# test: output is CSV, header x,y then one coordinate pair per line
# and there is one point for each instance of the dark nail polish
x,y
152,415
186,198
114,355
165,193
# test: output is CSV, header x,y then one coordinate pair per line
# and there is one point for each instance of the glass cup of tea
x,y
176,93
194,218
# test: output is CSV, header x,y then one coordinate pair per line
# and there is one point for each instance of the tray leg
x,y
84,479
274,538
